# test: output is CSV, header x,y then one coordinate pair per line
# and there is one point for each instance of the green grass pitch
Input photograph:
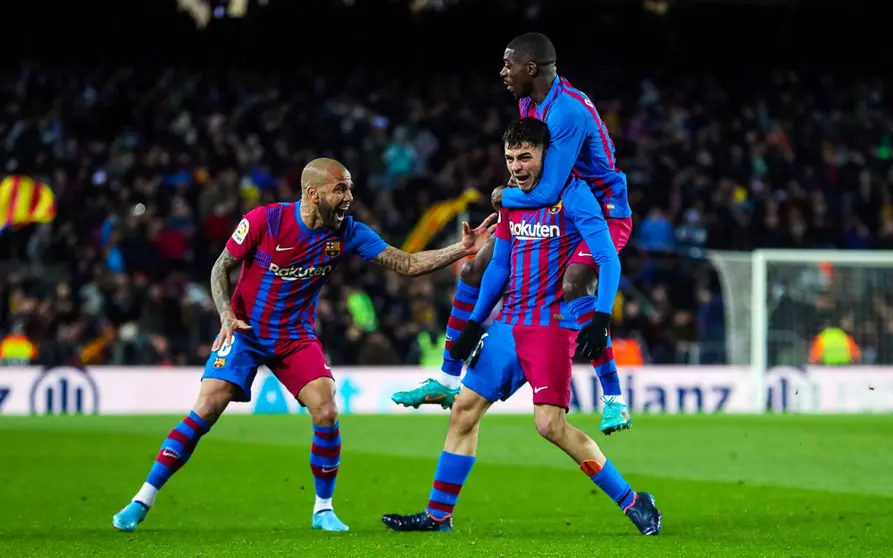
x,y
728,486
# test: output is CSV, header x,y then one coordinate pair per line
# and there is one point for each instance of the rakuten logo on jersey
x,y
533,231
300,273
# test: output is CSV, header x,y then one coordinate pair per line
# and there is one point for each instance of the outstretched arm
x,y
420,263
368,244
584,211
568,129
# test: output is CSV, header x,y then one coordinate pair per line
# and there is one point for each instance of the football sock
x,y
612,483
325,458
451,473
606,370
175,452
463,304
583,309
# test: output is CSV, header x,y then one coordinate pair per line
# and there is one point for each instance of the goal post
x,y
777,301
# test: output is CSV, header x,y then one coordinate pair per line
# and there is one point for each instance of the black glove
x,y
593,338
466,341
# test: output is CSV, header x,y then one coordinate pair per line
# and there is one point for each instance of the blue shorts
x,y
511,356
294,362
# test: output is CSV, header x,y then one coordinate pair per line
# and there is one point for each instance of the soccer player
x,y
532,340
582,148
287,252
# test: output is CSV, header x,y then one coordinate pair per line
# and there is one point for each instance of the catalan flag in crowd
x,y
24,202
436,218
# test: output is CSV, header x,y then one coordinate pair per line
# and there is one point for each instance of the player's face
x,y
335,199
525,162
516,75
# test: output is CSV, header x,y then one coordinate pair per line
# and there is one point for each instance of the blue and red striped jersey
x,y
581,148
542,242
285,264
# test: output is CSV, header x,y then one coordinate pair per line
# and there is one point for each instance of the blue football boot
x,y
132,515
326,520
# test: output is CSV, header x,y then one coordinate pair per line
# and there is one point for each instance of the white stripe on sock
x,y
322,504
449,380
146,495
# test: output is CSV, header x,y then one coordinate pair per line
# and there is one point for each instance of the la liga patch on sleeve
x,y
241,231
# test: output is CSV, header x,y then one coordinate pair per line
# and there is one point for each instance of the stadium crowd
x,y
152,169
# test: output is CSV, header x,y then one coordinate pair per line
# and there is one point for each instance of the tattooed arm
x,y
244,240
221,290
413,265
368,244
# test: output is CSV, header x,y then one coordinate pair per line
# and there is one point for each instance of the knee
x,y
318,396
577,281
213,398
472,272
209,409
551,424
324,413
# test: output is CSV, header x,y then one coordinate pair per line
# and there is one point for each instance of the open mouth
x,y
523,180
342,210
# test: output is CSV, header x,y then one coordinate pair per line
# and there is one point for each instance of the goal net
x,y
777,301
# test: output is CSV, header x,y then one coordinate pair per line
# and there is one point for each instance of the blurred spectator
x,y
152,170
655,232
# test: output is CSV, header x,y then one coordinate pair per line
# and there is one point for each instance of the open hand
x,y
228,326
474,239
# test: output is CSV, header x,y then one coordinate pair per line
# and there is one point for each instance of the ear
x,y
313,194
533,69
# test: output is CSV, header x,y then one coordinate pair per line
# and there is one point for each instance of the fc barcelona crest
x,y
555,209
333,248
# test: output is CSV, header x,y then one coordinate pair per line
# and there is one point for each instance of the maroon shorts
x,y
546,355
297,363
620,232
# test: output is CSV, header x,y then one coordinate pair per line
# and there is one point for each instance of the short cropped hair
x,y
533,47
527,130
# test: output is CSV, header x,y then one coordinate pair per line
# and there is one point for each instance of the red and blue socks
x,y
463,305
583,309
175,452
325,458
612,483
451,473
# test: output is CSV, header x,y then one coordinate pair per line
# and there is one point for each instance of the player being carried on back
x,y
582,148
287,252
532,340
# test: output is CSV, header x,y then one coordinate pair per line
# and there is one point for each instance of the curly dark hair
x,y
527,130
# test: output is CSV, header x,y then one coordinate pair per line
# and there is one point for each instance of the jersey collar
x,y
553,92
